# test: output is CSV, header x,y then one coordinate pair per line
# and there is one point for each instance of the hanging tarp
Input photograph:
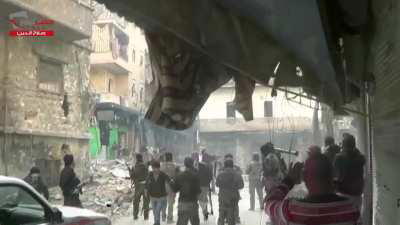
x,y
196,46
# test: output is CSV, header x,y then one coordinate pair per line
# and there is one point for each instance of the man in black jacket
x,y
187,184
239,171
349,170
229,183
36,181
205,176
69,183
155,187
331,149
139,175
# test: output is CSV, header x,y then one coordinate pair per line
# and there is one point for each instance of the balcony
x,y
110,47
72,19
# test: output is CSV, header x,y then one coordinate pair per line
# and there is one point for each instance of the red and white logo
x,y
24,26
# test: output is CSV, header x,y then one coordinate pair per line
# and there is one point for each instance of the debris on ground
x,y
109,191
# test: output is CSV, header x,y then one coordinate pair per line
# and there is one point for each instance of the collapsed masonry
x,y
109,190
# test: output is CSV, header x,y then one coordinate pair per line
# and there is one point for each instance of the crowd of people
x,y
333,176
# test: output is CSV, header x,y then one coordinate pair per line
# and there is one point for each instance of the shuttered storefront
x,y
385,66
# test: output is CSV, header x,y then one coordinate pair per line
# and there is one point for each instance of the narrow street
x,y
104,101
256,217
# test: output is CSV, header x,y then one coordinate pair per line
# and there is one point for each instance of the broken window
x,y
230,110
268,110
110,83
50,76
65,105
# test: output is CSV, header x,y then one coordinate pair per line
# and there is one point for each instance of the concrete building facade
x,y
117,78
44,99
286,123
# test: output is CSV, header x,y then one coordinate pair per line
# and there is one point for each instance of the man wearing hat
x,y
36,181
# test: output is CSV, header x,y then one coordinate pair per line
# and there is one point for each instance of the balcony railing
x,y
110,48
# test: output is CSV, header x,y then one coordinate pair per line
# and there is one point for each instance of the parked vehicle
x,y
21,204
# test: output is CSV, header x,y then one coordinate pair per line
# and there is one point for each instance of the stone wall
x,y
35,121
23,151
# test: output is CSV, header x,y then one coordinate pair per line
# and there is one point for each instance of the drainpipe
x,y
5,107
368,213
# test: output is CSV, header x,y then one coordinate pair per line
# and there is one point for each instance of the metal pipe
x,y
5,108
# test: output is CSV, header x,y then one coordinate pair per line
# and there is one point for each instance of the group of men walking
x,y
157,183
333,176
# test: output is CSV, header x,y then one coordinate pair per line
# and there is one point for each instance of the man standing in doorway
x,y
254,171
139,175
169,168
155,186
69,183
187,184
229,183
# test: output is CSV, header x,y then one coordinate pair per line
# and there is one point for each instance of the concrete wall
x,y
99,79
137,77
215,107
384,64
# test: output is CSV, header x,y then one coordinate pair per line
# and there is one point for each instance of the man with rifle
x,y
70,183
205,176
138,175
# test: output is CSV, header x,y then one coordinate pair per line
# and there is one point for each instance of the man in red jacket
x,y
321,206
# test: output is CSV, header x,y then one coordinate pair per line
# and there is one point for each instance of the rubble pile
x,y
108,191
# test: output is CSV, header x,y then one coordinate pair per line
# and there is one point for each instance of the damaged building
x,y
44,99
121,79
117,80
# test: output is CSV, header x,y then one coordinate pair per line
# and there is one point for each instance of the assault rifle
x,y
131,174
78,188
